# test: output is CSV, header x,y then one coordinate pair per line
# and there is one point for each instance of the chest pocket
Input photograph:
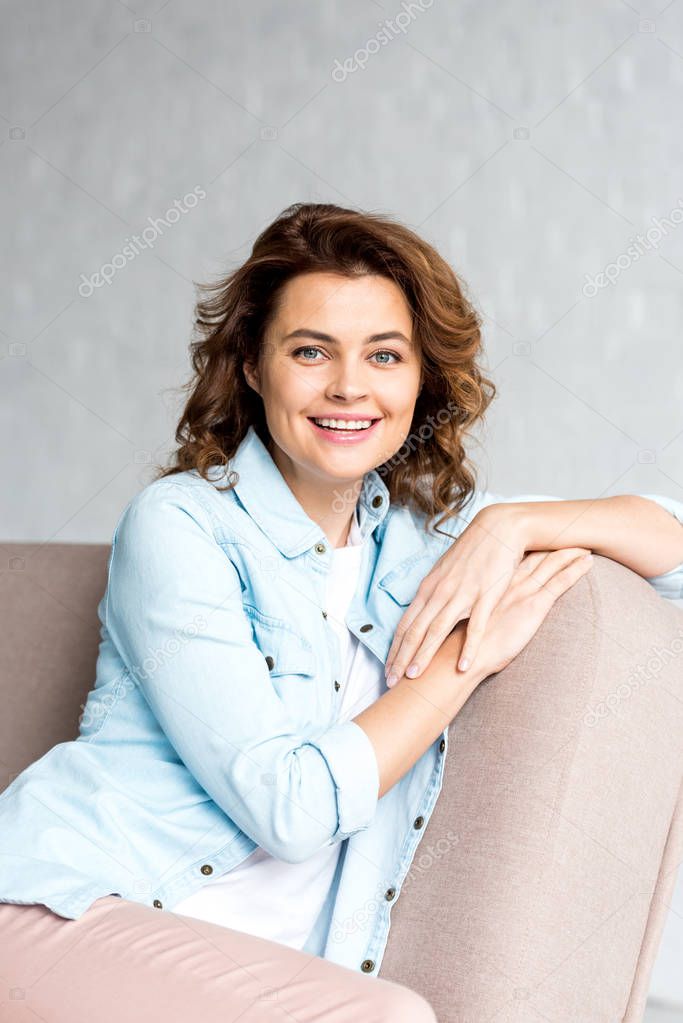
x,y
286,651
402,582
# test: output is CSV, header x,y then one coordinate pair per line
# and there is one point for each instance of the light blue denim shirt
x,y
212,727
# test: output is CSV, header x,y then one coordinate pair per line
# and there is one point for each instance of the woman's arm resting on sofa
x,y
641,531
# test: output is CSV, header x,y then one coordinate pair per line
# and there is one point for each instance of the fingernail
x,y
464,664
412,671
392,678
587,557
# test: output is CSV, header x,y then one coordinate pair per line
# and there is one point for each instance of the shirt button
x,y
207,869
418,822
365,628
337,685
157,904
368,965
442,746
320,548
376,501
270,662
389,894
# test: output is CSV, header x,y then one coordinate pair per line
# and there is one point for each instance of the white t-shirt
x,y
269,897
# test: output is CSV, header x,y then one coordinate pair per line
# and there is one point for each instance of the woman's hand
x,y
540,579
467,581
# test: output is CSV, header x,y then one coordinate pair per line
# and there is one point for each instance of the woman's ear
x,y
251,376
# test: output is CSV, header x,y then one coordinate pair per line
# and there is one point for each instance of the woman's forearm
x,y
629,529
406,720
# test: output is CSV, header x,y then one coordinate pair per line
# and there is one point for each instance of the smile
x,y
344,431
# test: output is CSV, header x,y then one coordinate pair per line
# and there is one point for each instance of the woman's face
x,y
339,348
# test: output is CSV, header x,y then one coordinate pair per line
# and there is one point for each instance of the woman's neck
x,y
332,507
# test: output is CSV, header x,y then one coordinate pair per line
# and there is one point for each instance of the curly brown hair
x,y
232,318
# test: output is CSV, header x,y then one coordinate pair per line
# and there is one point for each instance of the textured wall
x,y
537,145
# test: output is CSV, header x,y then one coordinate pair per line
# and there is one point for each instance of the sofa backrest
x,y
50,637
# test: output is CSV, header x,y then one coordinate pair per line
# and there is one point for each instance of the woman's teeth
x,y
344,424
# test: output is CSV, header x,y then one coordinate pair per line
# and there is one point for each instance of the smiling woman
x,y
271,789
393,340
333,411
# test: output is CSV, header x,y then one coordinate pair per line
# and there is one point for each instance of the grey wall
x,y
532,143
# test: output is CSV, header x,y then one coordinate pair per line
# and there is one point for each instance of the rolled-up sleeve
x,y
668,584
173,608
350,756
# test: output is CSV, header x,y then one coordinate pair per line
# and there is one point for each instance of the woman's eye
x,y
313,348
308,348
393,354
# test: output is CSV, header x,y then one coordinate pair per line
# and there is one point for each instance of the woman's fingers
x,y
554,562
421,640
428,622
476,627
397,642
529,562
555,583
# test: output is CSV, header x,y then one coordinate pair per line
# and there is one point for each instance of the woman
x,y
243,764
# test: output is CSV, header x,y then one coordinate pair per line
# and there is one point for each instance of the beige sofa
x,y
540,887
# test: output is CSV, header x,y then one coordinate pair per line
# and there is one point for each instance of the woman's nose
x,y
347,382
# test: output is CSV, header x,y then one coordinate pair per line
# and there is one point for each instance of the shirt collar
x,y
263,491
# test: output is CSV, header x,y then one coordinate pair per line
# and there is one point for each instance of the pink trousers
x,y
124,962
539,890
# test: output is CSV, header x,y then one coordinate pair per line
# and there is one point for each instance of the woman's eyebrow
x,y
318,335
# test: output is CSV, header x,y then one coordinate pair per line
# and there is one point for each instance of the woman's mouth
x,y
343,431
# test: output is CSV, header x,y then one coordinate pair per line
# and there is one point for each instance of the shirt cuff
x,y
669,584
351,760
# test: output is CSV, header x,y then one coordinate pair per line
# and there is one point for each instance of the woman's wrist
x,y
442,672
510,522
441,682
